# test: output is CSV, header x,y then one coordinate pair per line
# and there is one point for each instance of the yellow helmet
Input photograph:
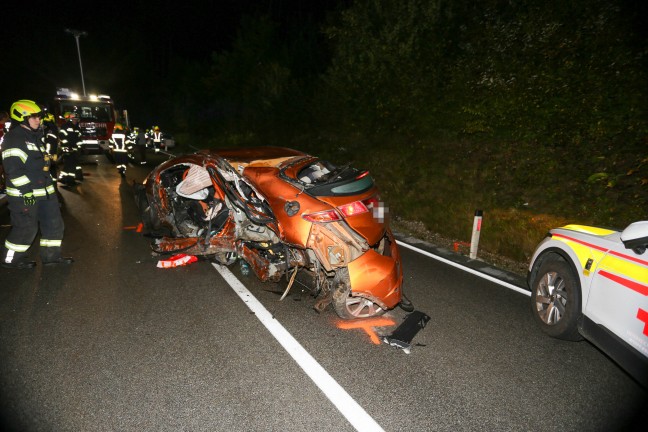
x,y
49,117
23,109
156,128
118,126
70,116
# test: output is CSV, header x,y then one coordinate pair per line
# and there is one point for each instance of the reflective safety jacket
x,y
156,137
51,139
70,135
26,163
120,142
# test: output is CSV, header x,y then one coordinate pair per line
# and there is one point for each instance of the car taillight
x,y
345,210
323,216
353,208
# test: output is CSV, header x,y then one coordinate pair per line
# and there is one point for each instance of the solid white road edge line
x,y
349,408
464,268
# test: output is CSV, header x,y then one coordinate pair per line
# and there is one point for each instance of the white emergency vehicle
x,y
592,283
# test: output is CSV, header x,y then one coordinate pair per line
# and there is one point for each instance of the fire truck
x,y
97,116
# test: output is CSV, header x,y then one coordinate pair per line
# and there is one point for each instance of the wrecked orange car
x,y
280,211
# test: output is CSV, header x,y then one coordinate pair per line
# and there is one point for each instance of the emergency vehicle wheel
x,y
556,300
349,306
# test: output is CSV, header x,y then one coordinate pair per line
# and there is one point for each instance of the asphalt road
x,y
113,343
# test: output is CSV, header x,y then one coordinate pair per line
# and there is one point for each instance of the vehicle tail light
x,y
323,216
353,208
346,210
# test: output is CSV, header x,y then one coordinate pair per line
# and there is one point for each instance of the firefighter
x,y
4,118
131,137
140,143
156,137
70,135
32,200
51,140
119,143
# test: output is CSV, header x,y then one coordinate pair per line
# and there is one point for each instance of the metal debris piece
x,y
404,334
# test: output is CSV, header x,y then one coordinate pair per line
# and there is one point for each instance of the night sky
x,y
126,42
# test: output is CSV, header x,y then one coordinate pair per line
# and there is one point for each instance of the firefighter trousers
x,y
141,148
121,160
25,221
71,168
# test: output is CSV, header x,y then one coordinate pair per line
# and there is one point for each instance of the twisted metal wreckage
x,y
282,212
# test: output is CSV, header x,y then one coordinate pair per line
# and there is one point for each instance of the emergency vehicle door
x,y
618,297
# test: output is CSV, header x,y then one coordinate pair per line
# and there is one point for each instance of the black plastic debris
x,y
404,334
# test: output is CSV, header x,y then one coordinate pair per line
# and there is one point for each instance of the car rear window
x,y
322,178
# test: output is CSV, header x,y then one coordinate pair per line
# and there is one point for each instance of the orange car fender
x,y
377,277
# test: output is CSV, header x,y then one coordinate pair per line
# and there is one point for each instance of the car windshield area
x,y
323,178
89,111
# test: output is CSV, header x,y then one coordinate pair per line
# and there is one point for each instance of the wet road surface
x,y
113,343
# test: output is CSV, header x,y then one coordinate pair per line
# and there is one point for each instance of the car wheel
x,y
146,212
556,300
350,306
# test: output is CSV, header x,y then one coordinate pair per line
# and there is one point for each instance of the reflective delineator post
x,y
474,241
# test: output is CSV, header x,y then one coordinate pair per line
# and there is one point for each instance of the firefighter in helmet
x,y
156,137
51,140
119,145
139,141
70,135
4,119
32,200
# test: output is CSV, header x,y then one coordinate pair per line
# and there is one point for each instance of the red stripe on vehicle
x,y
642,315
635,286
593,246
629,258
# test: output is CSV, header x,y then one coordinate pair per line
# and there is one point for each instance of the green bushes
x,y
534,112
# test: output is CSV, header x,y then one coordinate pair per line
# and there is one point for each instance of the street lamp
x,y
77,34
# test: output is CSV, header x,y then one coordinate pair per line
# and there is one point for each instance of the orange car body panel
x,y
378,277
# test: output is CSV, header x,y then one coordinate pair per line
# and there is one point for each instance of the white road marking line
x,y
349,408
467,269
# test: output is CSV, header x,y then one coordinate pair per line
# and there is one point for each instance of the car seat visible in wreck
x,y
195,206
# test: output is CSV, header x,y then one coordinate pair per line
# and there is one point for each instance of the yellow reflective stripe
x,y
43,191
50,243
15,247
15,152
614,262
32,147
633,270
37,192
583,253
589,229
13,192
20,181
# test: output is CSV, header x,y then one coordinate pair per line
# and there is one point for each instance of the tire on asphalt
x,y
556,300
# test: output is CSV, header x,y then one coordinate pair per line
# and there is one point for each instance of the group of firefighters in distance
x,y
67,139
124,142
